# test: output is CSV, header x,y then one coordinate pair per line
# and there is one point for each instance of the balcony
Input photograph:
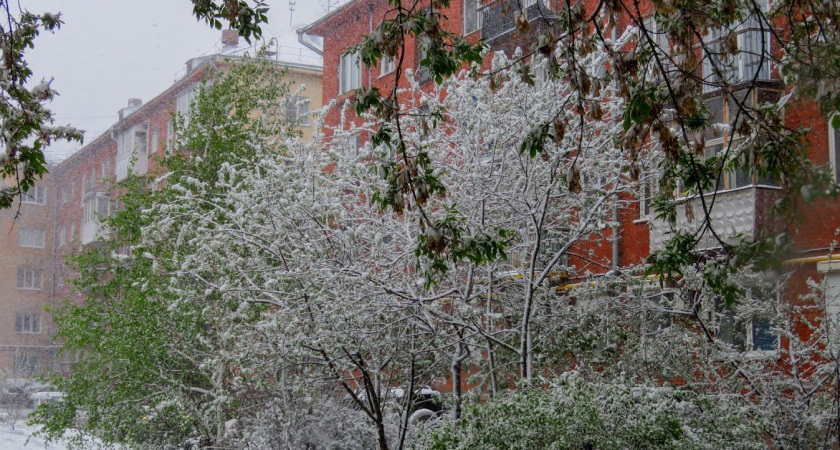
x,y
742,211
97,205
497,18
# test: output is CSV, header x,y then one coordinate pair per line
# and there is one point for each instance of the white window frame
x,y
155,141
170,135
28,323
95,208
36,195
749,328
834,148
30,279
129,145
831,290
476,12
736,70
31,237
184,101
349,72
297,110
386,65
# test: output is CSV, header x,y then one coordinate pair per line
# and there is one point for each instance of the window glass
x,y
30,279
36,195
31,237
350,72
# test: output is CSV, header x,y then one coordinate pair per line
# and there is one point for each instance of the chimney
x,y
230,38
133,104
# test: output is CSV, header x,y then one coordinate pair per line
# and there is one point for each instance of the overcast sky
x,y
108,51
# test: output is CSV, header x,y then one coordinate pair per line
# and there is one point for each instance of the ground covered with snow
x,y
20,437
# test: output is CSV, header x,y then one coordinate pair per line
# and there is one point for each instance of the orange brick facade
x,y
813,230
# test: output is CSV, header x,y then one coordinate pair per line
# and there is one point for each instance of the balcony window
x,y
96,207
184,102
499,19
751,60
30,279
132,145
350,72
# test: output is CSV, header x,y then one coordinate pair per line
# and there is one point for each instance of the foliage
x,y
26,123
144,372
246,17
573,412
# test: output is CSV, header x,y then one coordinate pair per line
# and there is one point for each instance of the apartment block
x,y
64,212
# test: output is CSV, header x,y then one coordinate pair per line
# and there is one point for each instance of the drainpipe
x,y
615,229
370,32
56,200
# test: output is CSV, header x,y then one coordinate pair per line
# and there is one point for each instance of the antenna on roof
x,y
330,4
292,4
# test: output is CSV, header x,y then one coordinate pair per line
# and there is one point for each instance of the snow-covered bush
x,y
573,413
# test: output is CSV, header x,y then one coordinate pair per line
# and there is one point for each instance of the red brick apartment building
x,y
62,213
741,206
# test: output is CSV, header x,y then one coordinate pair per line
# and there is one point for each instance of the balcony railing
x,y
744,211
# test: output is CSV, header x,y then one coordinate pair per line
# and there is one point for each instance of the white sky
x,y
108,51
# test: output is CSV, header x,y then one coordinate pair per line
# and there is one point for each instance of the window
x,y
31,237
420,54
25,364
155,141
730,179
184,102
472,18
386,65
132,141
106,168
751,332
170,135
659,309
551,244
659,38
65,194
30,279
751,59
834,146
62,237
36,195
297,110
350,72
27,323
132,148
94,208
831,289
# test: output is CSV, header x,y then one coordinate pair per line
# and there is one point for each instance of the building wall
x,y
814,228
24,346
85,176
